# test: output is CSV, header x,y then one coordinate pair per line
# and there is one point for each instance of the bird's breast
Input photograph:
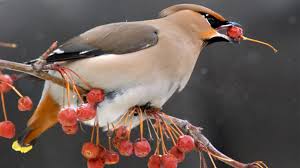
x,y
113,107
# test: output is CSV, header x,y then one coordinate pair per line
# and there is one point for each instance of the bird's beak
x,y
229,24
220,33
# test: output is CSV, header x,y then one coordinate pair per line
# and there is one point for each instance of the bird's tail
x,y
44,117
20,146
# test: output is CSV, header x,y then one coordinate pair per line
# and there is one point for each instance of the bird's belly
x,y
111,109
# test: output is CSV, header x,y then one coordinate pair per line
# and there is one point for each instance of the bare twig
x,y
28,69
8,45
41,61
46,54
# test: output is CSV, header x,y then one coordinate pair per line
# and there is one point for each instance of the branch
x,y
38,69
203,144
28,69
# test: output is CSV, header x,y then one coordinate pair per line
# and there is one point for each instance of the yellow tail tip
x,y
22,149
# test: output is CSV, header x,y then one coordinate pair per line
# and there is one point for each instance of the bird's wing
x,y
117,38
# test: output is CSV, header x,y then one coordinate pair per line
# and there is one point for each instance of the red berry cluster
x,y
141,148
182,144
98,156
69,116
7,128
174,156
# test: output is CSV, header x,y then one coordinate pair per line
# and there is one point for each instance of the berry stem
x,y
79,77
169,132
128,114
165,133
164,149
176,136
109,143
97,134
3,106
157,152
122,117
260,42
178,129
141,123
74,87
212,160
68,94
148,126
81,128
175,132
130,127
14,89
218,157
62,73
92,134
155,131
109,136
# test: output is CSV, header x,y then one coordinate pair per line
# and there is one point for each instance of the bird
x,y
135,63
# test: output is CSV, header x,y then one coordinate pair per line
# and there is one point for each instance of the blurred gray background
x,y
245,97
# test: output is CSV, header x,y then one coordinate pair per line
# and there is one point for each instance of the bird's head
x,y
212,27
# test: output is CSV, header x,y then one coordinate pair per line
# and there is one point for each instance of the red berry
x,y
142,148
111,157
185,143
95,163
70,130
4,80
235,32
177,153
67,117
86,112
122,132
154,161
25,104
7,129
95,96
126,148
90,150
169,161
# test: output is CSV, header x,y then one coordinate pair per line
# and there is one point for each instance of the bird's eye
x,y
215,23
